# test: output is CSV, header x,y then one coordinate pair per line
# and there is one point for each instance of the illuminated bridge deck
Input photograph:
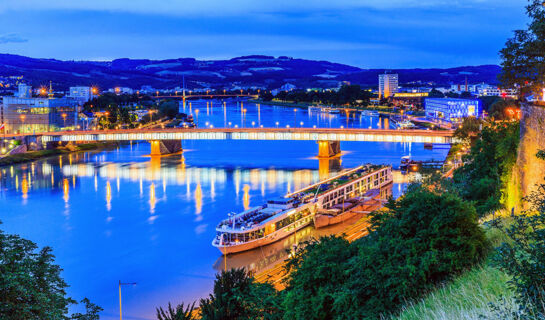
x,y
282,134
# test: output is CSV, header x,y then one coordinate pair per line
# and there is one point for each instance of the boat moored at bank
x,y
281,217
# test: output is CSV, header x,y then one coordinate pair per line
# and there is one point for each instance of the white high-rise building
x,y
388,84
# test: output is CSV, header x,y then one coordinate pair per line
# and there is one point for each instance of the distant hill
x,y
255,70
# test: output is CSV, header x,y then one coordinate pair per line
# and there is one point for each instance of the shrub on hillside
x,y
487,167
319,275
237,295
421,239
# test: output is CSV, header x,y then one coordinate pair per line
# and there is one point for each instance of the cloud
x,y
241,7
11,38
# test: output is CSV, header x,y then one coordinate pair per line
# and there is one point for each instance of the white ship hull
x,y
268,239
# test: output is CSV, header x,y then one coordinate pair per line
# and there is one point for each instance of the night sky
x,y
363,33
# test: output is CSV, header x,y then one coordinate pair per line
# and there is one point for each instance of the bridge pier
x,y
161,147
329,149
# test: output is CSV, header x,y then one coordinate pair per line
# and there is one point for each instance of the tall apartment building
x,y
388,84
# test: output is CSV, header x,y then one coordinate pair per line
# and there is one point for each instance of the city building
x,y
388,84
408,99
24,91
24,114
450,110
497,92
82,93
121,90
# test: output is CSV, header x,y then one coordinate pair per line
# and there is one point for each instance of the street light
x,y
123,284
277,124
64,119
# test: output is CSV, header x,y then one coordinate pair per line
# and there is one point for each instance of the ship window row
x,y
242,237
291,219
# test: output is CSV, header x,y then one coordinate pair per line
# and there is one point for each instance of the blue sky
x,y
364,33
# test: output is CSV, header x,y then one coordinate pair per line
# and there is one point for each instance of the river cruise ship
x,y
281,217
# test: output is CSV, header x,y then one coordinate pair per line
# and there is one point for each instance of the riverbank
x,y
36,155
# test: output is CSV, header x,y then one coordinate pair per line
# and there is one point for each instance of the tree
x,y
470,128
488,101
91,311
237,295
178,313
523,57
31,286
168,109
498,108
434,93
422,239
266,96
319,274
466,95
488,166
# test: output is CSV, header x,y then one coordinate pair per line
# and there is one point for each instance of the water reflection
x,y
151,220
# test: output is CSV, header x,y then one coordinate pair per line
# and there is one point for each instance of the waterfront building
x,y
82,93
450,110
388,84
25,114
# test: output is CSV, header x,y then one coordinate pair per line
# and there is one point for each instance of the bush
x,y
237,295
319,274
31,286
422,239
487,167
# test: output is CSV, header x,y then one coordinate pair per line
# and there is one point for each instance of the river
x,y
121,215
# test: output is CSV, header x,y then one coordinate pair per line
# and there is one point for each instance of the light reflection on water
x,y
120,215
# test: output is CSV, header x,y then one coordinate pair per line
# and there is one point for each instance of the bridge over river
x,y
164,141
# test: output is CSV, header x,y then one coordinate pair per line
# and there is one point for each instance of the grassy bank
x,y
36,155
469,296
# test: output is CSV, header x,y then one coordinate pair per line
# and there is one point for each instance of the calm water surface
x,y
121,215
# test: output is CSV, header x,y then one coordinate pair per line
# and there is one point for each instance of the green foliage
x,y
237,295
422,239
469,128
168,109
488,167
523,256
347,94
178,313
498,108
107,99
523,58
466,95
319,274
434,93
91,311
488,101
266,96
31,286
